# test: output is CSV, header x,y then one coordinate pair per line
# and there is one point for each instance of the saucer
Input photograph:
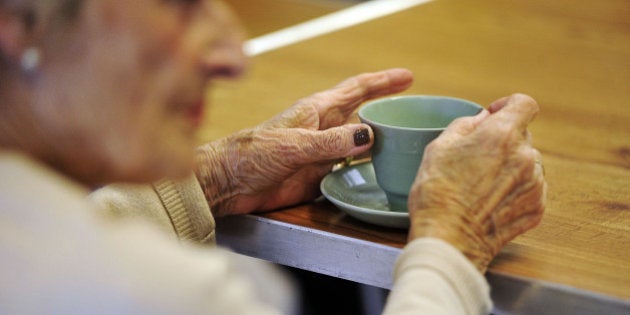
x,y
354,190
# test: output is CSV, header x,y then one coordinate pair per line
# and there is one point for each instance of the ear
x,y
13,34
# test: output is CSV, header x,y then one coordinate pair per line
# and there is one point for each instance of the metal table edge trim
x,y
371,264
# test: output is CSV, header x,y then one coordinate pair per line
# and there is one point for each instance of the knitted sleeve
x,y
177,207
432,277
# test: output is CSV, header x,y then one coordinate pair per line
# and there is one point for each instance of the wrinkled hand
x,y
282,161
481,183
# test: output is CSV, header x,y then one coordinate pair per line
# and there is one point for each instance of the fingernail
x,y
361,137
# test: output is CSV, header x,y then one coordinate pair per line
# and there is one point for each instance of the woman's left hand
x,y
281,162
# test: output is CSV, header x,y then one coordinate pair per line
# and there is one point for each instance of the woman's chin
x,y
154,167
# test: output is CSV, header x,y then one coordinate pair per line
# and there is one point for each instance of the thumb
x,y
330,144
465,125
518,110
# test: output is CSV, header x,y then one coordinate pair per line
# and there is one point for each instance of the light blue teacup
x,y
403,126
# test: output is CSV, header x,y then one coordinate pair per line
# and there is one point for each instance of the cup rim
x,y
422,96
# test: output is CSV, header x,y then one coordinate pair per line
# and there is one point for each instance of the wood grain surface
x,y
264,16
573,57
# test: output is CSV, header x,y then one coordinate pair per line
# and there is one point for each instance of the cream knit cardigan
x,y
58,254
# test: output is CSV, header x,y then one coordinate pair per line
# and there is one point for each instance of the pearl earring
x,y
30,59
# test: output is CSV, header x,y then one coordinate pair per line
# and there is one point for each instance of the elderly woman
x,y
94,92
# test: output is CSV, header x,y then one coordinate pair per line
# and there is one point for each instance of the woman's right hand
x,y
481,183
282,161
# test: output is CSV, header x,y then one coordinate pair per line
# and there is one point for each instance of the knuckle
x,y
525,160
508,129
326,142
524,98
434,145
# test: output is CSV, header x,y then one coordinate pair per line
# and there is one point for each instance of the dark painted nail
x,y
361,137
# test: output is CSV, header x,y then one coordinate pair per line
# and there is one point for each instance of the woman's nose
x,y
225,59
225,56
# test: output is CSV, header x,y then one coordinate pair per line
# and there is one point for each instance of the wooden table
x,y
573,58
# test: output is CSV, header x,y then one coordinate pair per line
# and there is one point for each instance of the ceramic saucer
x,y
354,190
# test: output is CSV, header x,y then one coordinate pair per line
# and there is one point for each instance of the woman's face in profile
x,y
127,82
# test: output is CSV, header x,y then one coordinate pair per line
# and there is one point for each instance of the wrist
x,y
216,175
461,231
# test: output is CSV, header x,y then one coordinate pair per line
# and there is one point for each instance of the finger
x,y
328,145
498,104
528,137
299,115
529,199
465,125
509,178
337,104
518,110
518,227
540,167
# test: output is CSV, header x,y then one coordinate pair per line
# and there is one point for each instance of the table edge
x,y
371,264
